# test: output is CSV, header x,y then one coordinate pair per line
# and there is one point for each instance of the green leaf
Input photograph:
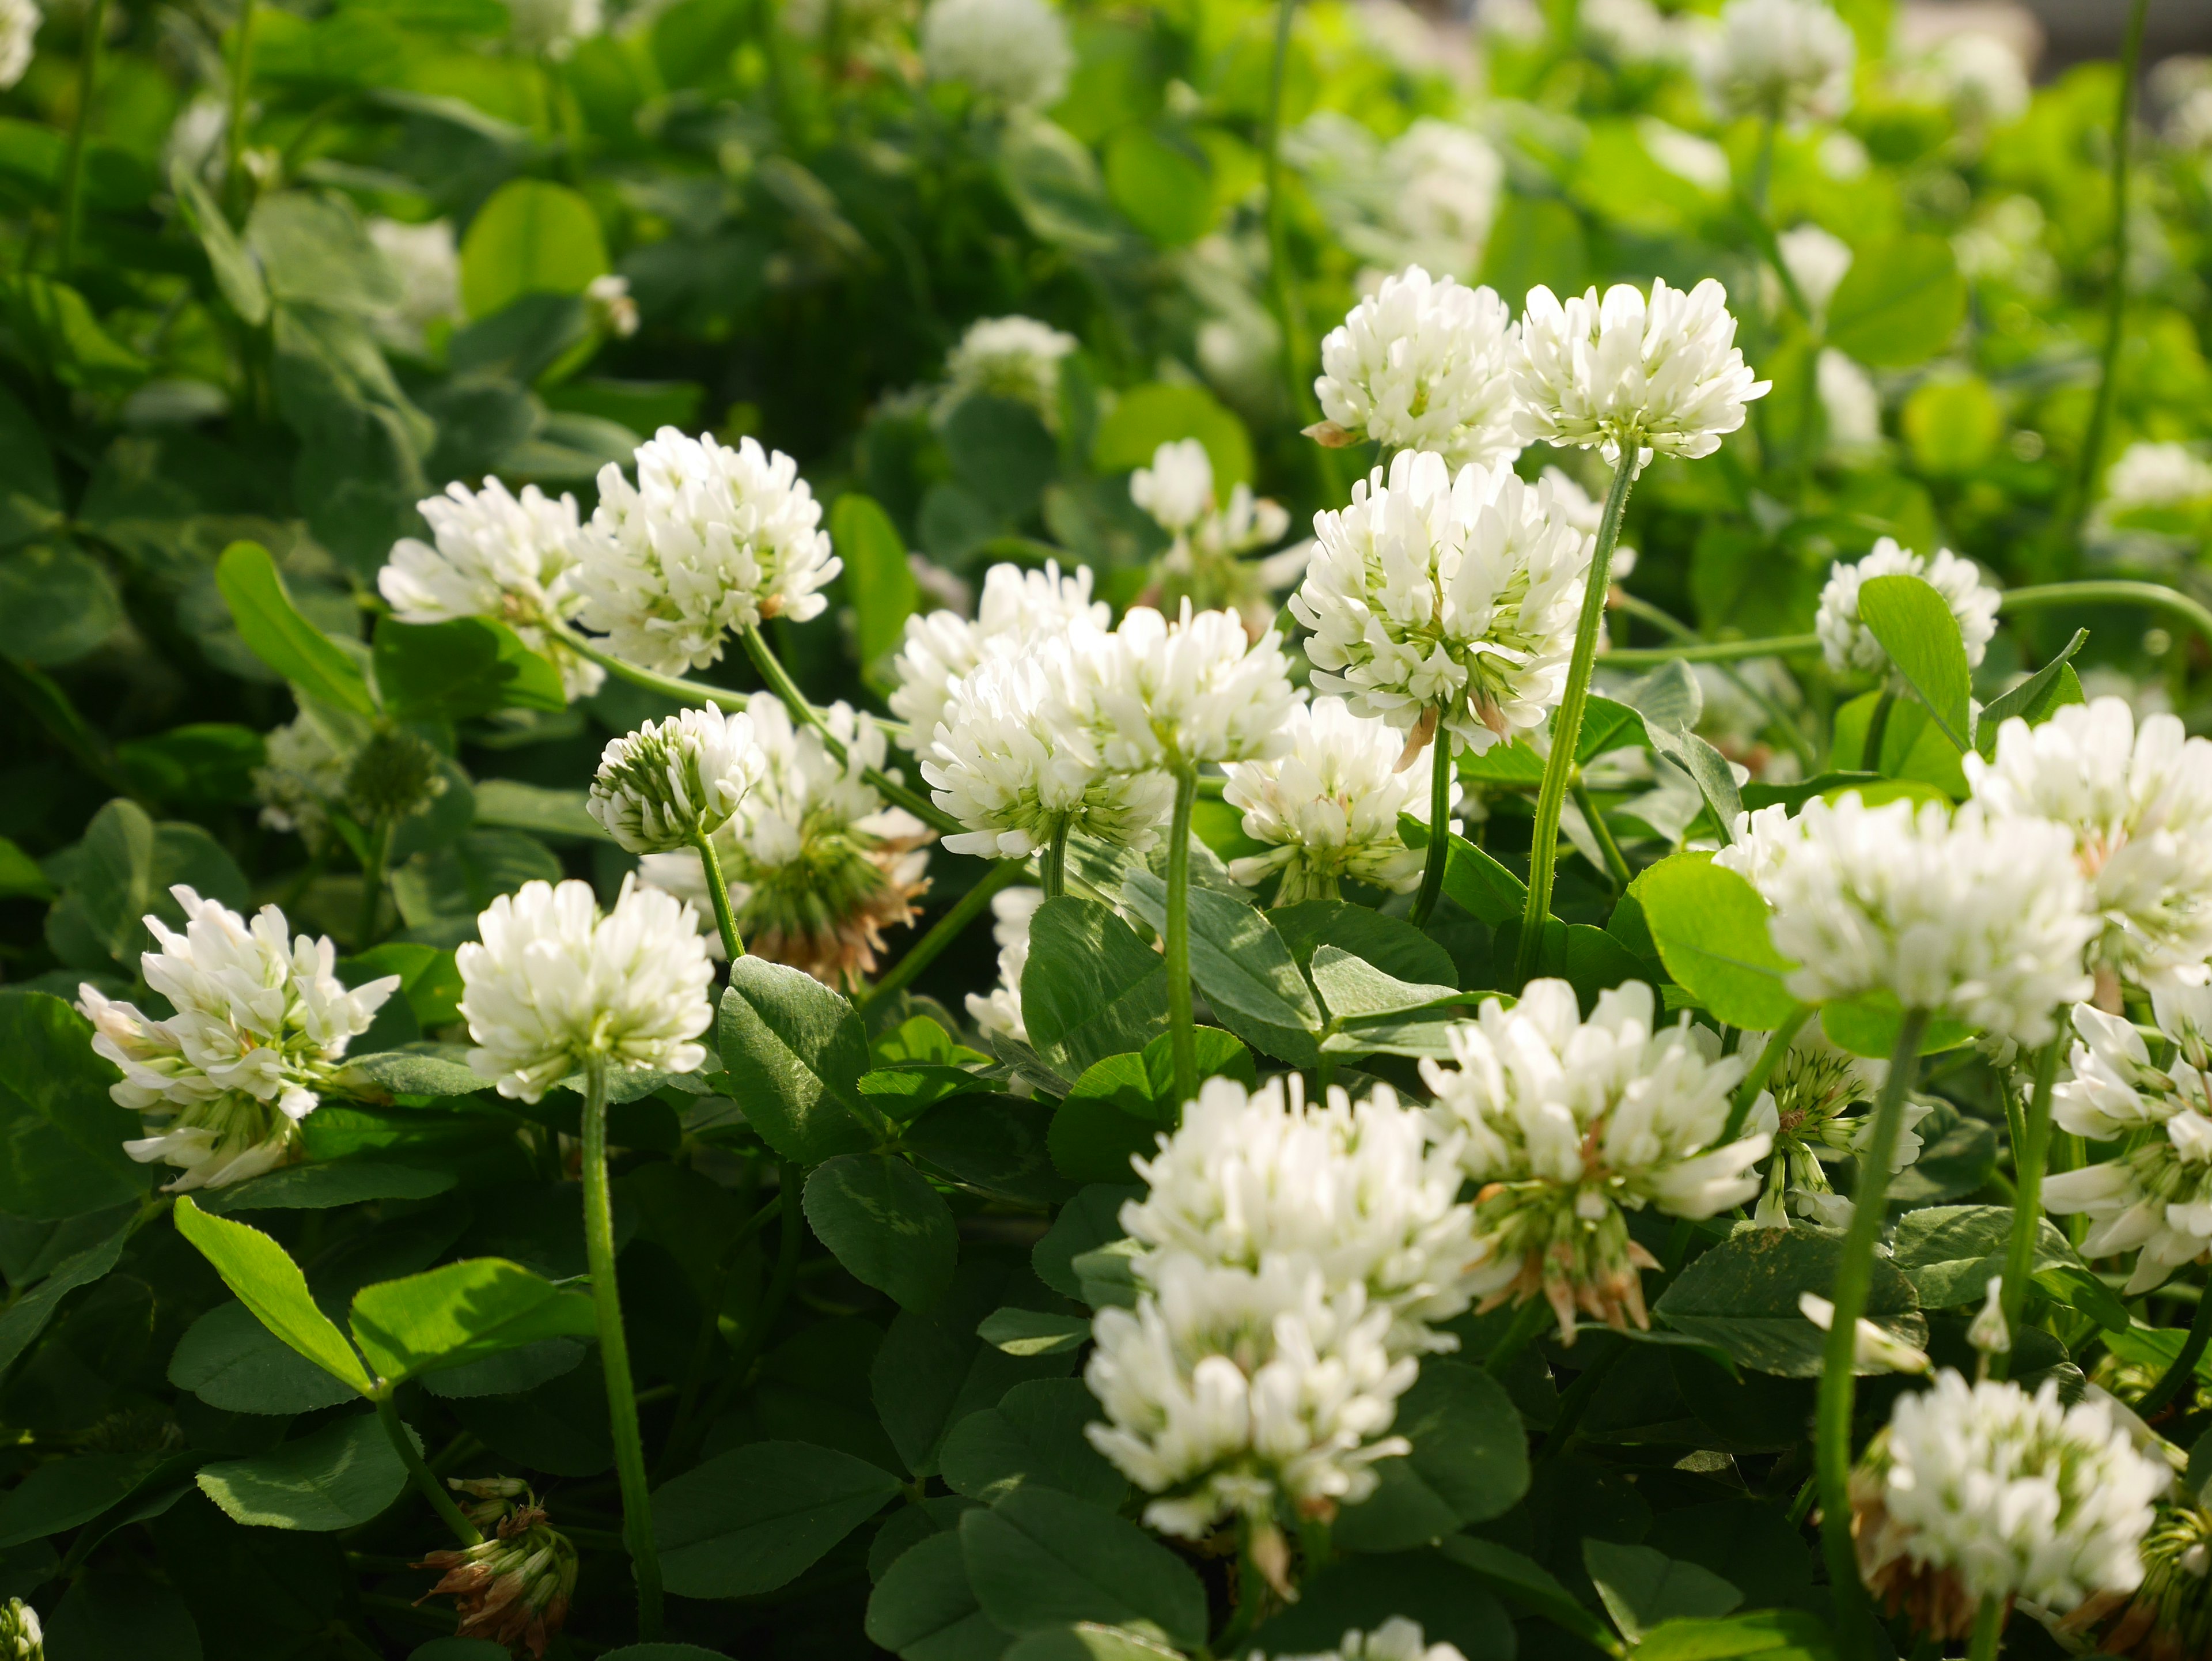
x,y
1450,1603
1033,1332
319,1186
467,666
315,252
757,1517
876,576
1777,1635
1899,303
513,1372
64,1493
1469,1462
2036,699
1950,1254
1952,424
236,276
1527,1586
1354,989
1607,727
1163,187
885,1224
337,1477
1478,884
1090,1220
1041,1559
54,326
1711,928
1241,964
924,1610
230,1360
61,1137
1921,637
432,1071
795,1052
530,237
1390,943
542,811
462,1313
1742,1297
993,1144
932,1370
116,1614
1118,1108
1708,769
57,603
27,1317
272,627
1144,417
1088,1641
1641,1587
1092,988
1034,1435
264,1278
20,876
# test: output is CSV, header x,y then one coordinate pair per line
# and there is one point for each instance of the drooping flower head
x,y
554,982
1165,695
2169,1617
672,782
1013,50
261,1027
1983,1490
1661,375
512,1588
999,1011
1850,646
1424,365
1455,596
507,557
1019,610
1808,1111
1328,808
1788,59
1569,1124
707,540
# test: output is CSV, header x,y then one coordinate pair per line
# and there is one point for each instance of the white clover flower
x,y
19,33
1395,1640
1787,59
554,982
1851,407
1817,261
1017,761
1663,376
2151,476
1177,489
1627,32
1458,596
261,1025
1982,1490
1020,610
1201,563
1328,808
1424,365
1804,1109
1000,1011
511,558
607,297
1850,646
553,26
1566,1123
2138,802
1016,358
302,775
1013,50
1363,1190
1979,918
427,266
671,782
1445,182
1167,695
710,539
1989,1332
1873,1348
1974,74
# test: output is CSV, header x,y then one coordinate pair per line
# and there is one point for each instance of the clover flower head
x,y
1328,808
1177,489
514,559
1567,1123
1850,646
554,982
19,33
1626,31
1622,373
998,1013
1975,75
671,782
1016,358
1015,51
553,27
2169,1617
1817,260
302,775
1165,694
1851,407
1424,364
427,265
1020,608
1395,1640
708,539
21,1637
1790,59
1442,600
2149,474
1813,1089
2138,800
1983,1490
1444,183
513,1587
261,1027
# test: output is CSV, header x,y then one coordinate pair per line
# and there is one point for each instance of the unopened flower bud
x,y
395,774
21,1639
672,782
1990,1334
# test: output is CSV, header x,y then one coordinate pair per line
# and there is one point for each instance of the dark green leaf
x,y
795,1052
1041,1559
1527,1586
337,1477
316,252
467,666
1092,988
757,1517
1087,1641
1090,1220
1355,990
236,275
57,603
1450,1601
27,1317
117,1614
924,1610
1469,1462
433,1070
1390,943
61,1137
996,1145
1743,1296
1478,884
320,1187
1034,1435
1118,1108
1033,1332
933,1369
64,1493
230,1360
885,1224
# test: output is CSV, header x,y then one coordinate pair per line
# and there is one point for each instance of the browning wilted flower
x,y
513,1589
1423,365
672,782
1328,809
1850,646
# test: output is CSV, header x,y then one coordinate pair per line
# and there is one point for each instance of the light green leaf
x,y
431,1071
1354,988
885,1224
1119,1105
266,1280
1776,1634
462,1313
1162,187
1641,1587
758,1517
315,252
1032,1332
1921,637
337,1477
271,625
542,811
1239,962
467,666
530,237
57,603
2036,699
236,276
1899,303
1144,417
877,575
1711,929
1092,989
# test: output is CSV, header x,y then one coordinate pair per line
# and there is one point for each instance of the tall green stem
x,y
1051,863
2111,591
725,920
2183,1368
1616,862
1713,651
1567,721
1989,1630
372,881
1182,1035
614,1354
2029,1155
1003,874
2116,303
234,137
1839,1384
87,77
1440,794
425,1480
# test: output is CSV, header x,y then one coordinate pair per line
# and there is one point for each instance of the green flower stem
x,y
2116,303
1715,651
1839,1385
372,881
2185,1365
1616,863
725,920
1182,1037
1051,863
2155,596
1003,874
440,1498
88,75
242,77
2029,1154
1440,796
1989,1630
1527,1320
1567,720
614,1354
1877,728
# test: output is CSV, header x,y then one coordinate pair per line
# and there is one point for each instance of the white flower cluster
x,y
1178,491
302,775
1013,50
671,782
1983,1490
1786,60
1803,1110
1424,365
1395,1640
517,559
1459,595
1444,180
1291,1258
1328,807
1020,610
1016,358
999,1011
19,33
707,540
261,1025
553,982
2155,487
427,266
1567,1123
1975,76
1850,646
1168,694
2138,801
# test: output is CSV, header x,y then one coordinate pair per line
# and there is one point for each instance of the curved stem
x,y
440,1499
2116,303
1778,718
1182,1037
1839,1384
919,956
2185,1365
1051,863
72,204
1717,651
2029,1154
1440,792
1616,863
372,881
669,686
1567,720
614,1354
725,920
1989,1630
2116,591
241,75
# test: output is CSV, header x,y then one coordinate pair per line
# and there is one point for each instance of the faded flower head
x,y
507,557
1424,365
1662,375
19,33
1395,1640
710,539
2158,497
1567,1123
2169,1617
554,981
1164,694
2138,801
1015,51
513,1588
261,1027
1020,610
1983,1490
1435,599
672,782
1000,1011
1328,807
1850,646
1788,59
1016,358
1804,1109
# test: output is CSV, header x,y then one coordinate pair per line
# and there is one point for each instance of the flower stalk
x,y
1051,863
2116,303
72,204
1989,1630
373,865
242,76
2029,1155
425,1479
1003,874
1182,1040
1439,854
718,889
